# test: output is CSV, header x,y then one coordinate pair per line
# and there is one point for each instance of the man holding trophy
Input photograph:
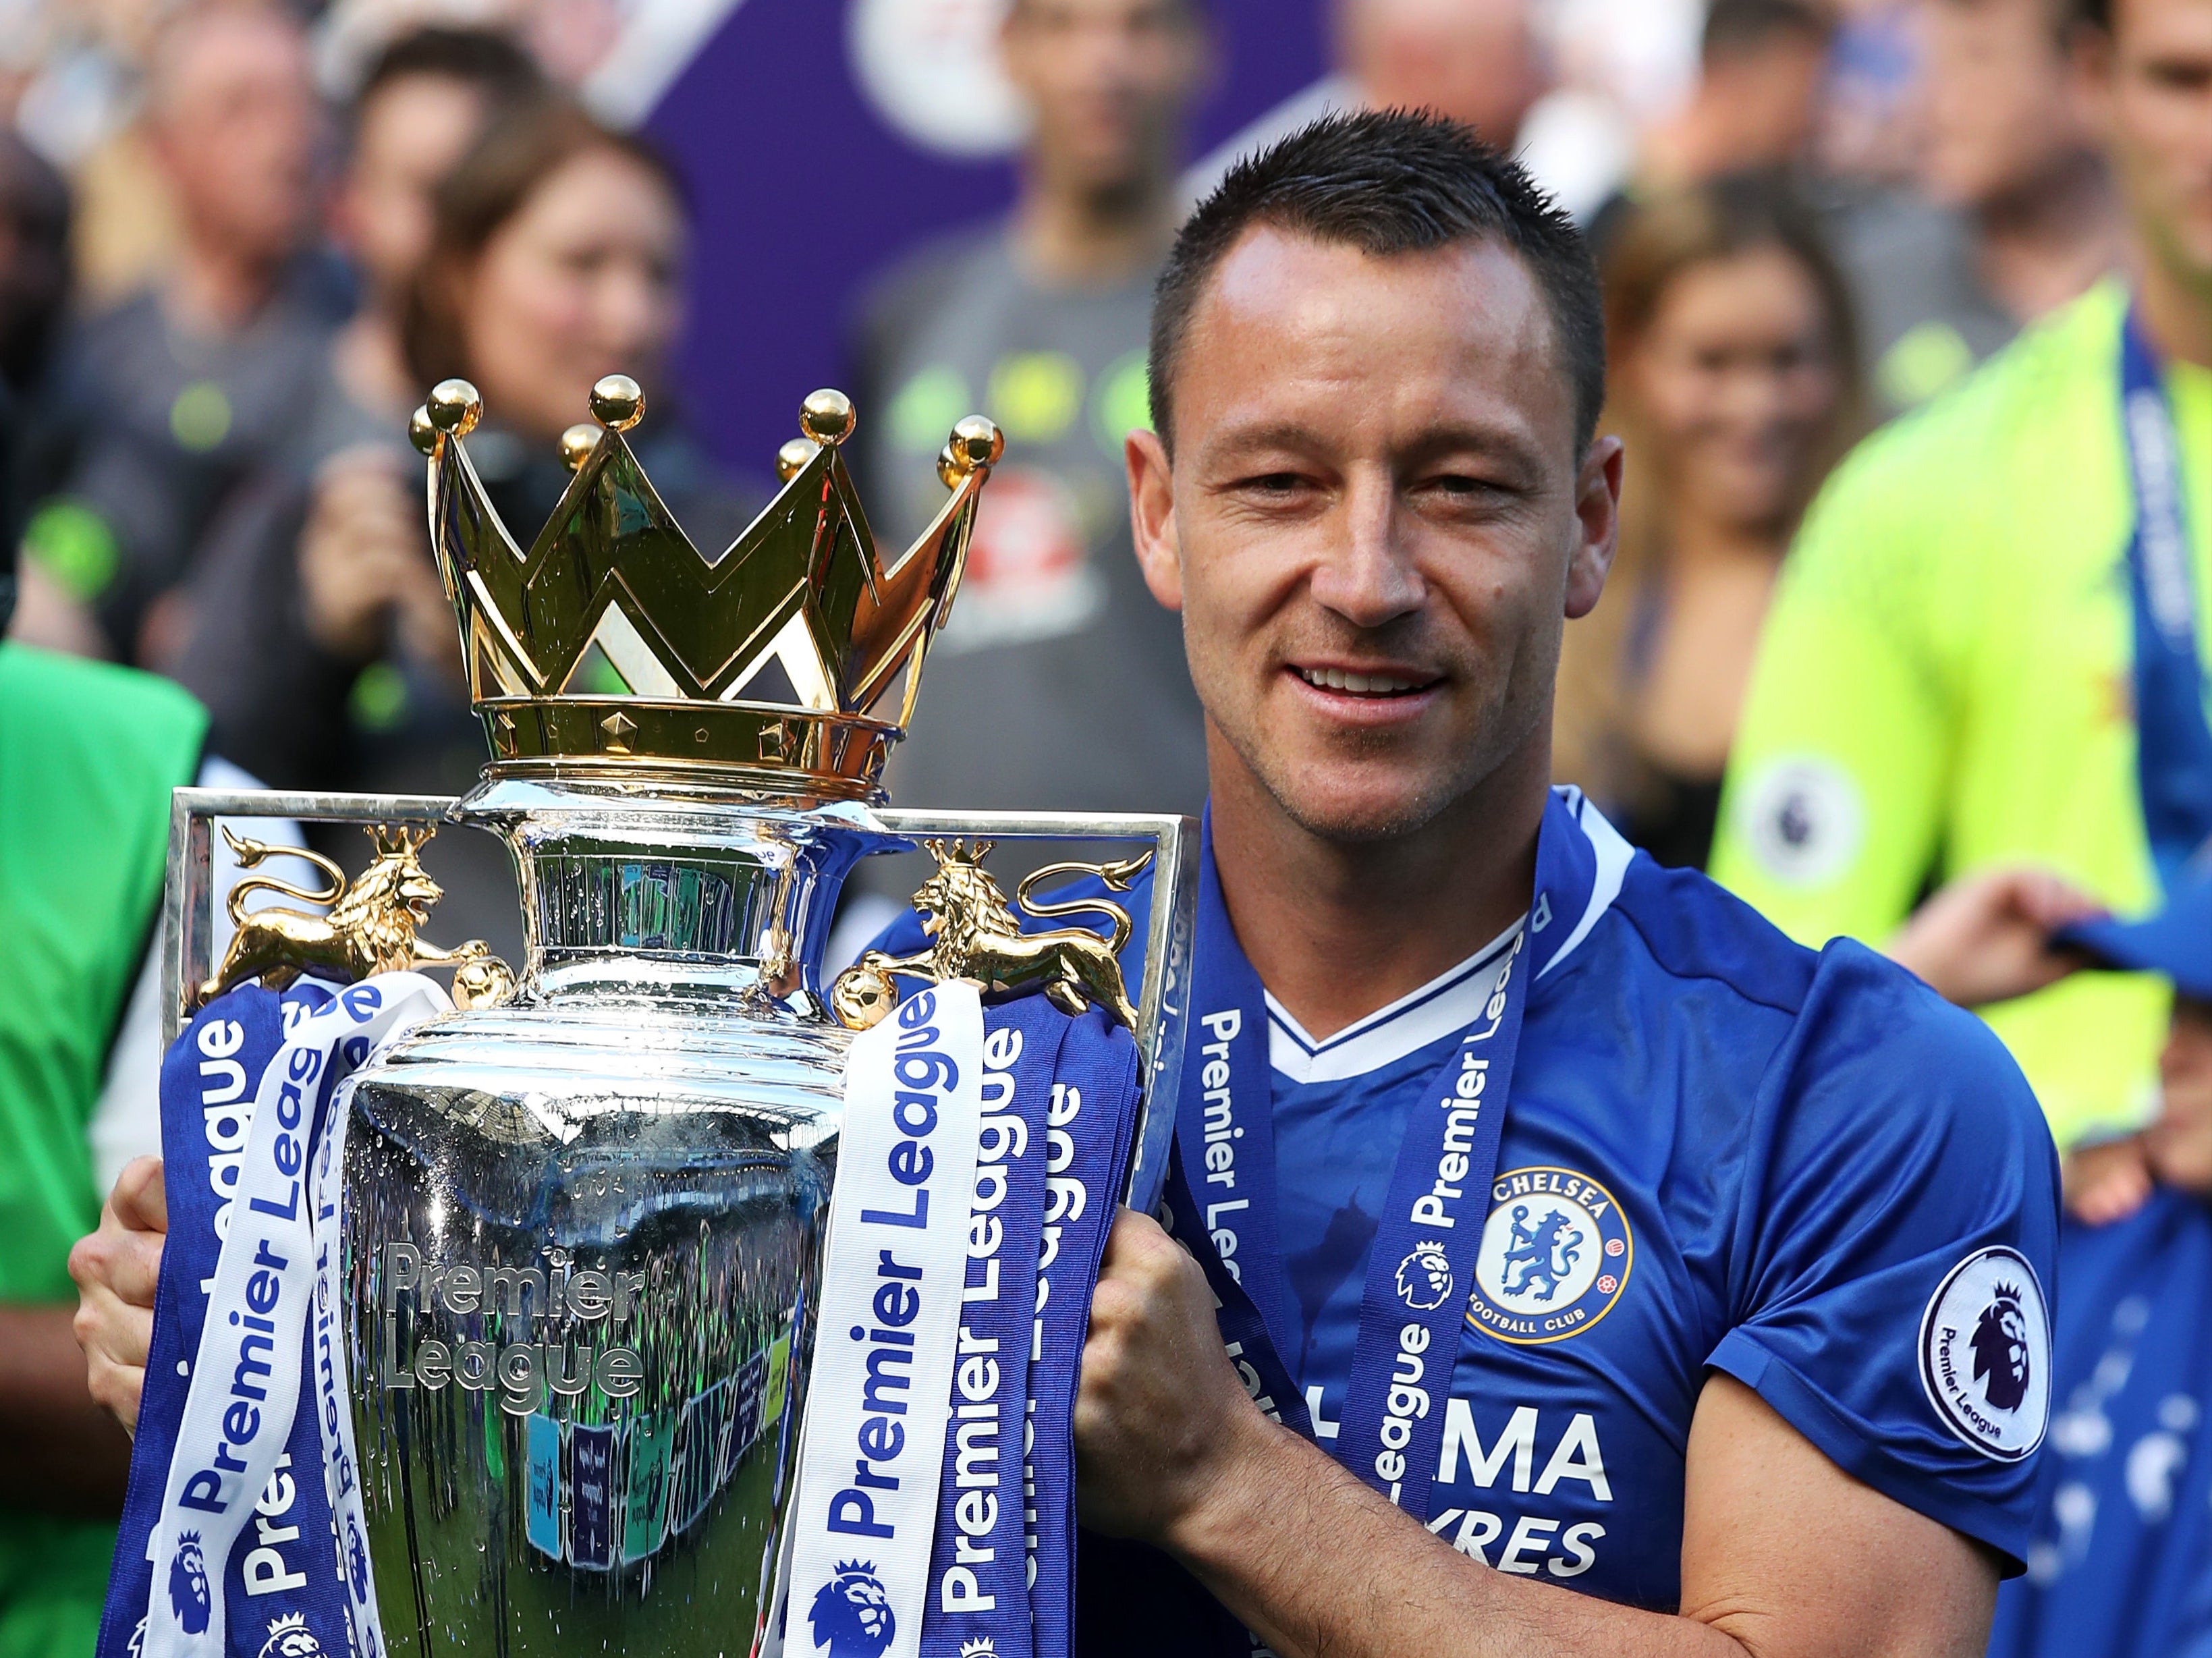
x,y
1538,1210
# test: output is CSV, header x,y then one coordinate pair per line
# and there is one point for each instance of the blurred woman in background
x,y
1732,367
326,649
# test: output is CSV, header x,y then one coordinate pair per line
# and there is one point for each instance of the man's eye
x,y
1275,483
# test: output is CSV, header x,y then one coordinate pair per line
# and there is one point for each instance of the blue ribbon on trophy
x,y
980,1159
242,1530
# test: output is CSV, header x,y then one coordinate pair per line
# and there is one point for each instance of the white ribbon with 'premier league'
x,y
879,1402
245,1380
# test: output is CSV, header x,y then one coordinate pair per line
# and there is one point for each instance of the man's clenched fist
x,y
116,1269
1161,1417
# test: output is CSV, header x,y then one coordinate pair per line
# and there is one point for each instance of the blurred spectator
x,y
325,645
1733,379
34,285
1040,322
1477,60
215,370
1956,673
1755,106
2016,214
423,101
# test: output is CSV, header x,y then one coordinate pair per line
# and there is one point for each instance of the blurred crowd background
x,y
242,239
239,240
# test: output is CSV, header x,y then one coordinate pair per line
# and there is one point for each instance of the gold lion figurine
x,y
975,934
370,927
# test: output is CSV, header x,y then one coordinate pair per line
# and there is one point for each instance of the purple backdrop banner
x,y
804,189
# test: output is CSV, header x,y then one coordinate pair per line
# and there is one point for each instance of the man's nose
x,y
1369,576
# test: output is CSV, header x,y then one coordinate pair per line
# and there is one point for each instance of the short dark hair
x,y
1388,182
1740,26
485,59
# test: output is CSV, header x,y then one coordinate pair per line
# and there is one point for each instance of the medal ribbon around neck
x,y
1222,1203
2174,755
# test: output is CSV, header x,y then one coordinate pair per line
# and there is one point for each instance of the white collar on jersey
x,y
1452,999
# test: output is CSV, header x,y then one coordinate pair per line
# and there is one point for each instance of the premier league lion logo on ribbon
x,y
2001,1349
290,1637
188,1585
1424,1277
852,1615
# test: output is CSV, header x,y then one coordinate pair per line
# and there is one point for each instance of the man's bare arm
x,y
66,1455
1783,1555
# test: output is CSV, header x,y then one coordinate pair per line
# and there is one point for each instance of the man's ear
x,y
1152,518
1597,525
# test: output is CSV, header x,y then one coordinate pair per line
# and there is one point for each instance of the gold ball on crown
x,y
977,442
577,444
792,458
618,403
826,417
454,407
421,433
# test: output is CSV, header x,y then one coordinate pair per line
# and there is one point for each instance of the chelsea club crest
x,y
1555,1256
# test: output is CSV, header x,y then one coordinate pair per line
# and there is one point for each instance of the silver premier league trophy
x,y
583,1214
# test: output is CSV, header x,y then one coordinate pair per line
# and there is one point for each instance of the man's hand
x,y
116,1269
1161,1417
1986,938
2107,1182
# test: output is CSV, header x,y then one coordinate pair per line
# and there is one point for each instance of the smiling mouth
x,y
1362,684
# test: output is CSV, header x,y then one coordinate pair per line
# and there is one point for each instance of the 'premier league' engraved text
x,y
520,1371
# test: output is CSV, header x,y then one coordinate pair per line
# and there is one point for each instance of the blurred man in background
x,y
1963,669
1058,682
216,367
1756,106
2014,214
1477,60
422,103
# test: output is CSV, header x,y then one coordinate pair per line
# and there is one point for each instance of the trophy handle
x,y
1163,1000
1163,1011
188,896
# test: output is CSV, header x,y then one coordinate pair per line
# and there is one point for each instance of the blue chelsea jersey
x,y
1722,1152
2119,1565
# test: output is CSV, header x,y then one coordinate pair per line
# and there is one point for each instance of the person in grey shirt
x,y
2015,215
1057,683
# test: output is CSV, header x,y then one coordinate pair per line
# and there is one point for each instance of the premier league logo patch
x,y
1803,819
188,1585
290,1637
1985,1354
851,1614
1555,1256
1424,1277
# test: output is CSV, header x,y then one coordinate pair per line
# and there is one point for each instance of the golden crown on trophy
x,y
613,644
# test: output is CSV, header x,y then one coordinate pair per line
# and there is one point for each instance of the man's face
x,y
234,119
1475,60
2180,1142
2002,103
2155,79
411,134
1107,82
1374,524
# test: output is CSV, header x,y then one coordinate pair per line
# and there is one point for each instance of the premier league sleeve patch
x,y
1985,1354
1555,1256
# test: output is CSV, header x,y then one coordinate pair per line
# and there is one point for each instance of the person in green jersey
x,y
1947,684
88,754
